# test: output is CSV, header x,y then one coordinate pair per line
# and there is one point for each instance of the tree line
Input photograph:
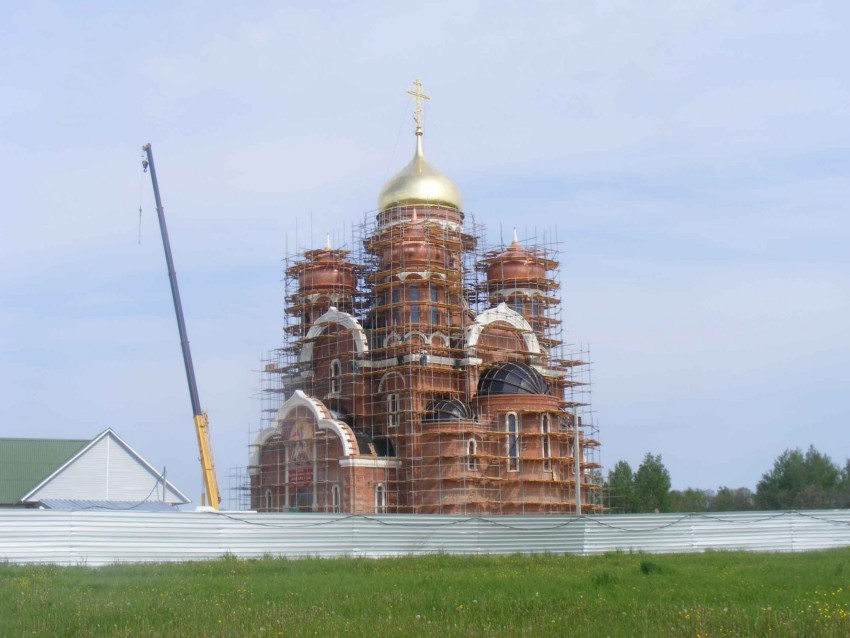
x,y
797,481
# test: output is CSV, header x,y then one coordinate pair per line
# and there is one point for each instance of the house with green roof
x,y
101,473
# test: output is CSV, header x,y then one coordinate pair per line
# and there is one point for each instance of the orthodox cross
x,y
418,95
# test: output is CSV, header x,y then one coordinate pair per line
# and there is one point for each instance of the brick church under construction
x,y
423,372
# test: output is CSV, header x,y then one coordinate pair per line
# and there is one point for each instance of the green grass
x,y
619,594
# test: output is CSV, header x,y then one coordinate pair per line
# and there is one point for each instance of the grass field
x,y
619,594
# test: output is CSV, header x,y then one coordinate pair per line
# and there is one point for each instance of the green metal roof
x,y
24,463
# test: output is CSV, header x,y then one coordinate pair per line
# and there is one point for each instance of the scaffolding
x,y
378,334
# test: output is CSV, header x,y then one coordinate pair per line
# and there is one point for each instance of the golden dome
x,y
419,183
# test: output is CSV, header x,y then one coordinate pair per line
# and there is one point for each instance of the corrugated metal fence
x,y
102,537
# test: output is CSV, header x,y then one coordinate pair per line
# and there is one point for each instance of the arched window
x,y
517,304
336,503
380,499
545,443
435,312
392,410
336,374
269,500
471,459
512,441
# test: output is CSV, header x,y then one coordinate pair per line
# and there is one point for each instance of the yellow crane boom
x,y
202,423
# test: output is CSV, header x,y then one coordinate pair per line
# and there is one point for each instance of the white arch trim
x,y
387,376
324,421
392,339
442,336
256,446
422,275
334,316
508,316
528,292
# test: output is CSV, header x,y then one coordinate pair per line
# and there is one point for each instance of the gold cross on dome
x,y
419,96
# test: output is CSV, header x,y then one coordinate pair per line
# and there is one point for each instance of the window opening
x,y
471,459
336,373
380,499
392,410
512,442
517,304
335,500
545,443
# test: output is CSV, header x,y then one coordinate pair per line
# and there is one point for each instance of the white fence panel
x,y
104,537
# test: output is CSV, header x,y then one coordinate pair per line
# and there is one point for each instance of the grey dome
x,y
511,378
447,410
363,442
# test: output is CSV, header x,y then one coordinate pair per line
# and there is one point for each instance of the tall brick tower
x,y
424,374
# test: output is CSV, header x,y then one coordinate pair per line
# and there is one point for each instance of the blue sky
x,y
693,157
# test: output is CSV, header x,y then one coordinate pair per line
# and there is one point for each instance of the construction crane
x,y
200,416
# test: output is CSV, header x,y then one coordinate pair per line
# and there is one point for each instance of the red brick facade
x,y
399,395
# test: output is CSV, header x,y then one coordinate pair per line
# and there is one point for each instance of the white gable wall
x,y
107,470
